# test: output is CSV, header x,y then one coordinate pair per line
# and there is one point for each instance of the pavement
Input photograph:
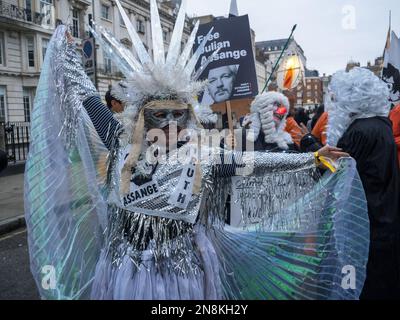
x,y
16,281
12,198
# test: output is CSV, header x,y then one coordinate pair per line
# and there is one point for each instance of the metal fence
x,y
109,70
15,136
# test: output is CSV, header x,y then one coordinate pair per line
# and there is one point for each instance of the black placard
x,y
232,73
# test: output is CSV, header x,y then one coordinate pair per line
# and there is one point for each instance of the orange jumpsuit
x,y
294,130
320,128
395,118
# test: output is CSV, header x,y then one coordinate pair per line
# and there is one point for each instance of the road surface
x,y
16,282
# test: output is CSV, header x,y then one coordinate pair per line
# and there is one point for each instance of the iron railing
x,y
16,140
12,11
109,70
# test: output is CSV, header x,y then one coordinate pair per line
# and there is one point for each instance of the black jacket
x,y
261,145
310,143
371,142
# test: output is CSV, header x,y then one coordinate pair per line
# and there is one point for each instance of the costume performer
x,y
268,122
358,123
111,224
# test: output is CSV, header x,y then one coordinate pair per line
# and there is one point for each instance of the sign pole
x,y
91,19
280,57
230,122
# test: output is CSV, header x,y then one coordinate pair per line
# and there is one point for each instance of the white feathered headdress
x,y
265,105
158,82
160,77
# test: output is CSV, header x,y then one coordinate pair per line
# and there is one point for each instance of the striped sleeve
x,y
102,118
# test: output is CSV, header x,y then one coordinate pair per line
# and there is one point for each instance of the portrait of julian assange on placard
x,y
231,73
221,83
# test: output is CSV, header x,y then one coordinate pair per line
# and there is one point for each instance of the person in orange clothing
x,y
319,131
292,126
311,142
395,118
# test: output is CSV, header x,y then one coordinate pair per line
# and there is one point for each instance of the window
x,y
2,104
31,51
44,3
45,9
107,64
2,51
140,26
45,44
75,23
27,104
105,12
28,7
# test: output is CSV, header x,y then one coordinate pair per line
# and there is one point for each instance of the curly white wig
x,y
263,104
354,95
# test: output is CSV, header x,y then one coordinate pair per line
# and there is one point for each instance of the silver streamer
x,y
73,86
167,231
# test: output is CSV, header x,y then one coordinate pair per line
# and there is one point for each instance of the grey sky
x,y
327,45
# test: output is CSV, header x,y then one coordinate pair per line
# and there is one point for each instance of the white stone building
x,y
26,27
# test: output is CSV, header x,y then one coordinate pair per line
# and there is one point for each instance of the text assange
x,y
215,44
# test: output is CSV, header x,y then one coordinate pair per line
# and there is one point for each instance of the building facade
x,y
312,90
309,92
26,27
376,68
269,52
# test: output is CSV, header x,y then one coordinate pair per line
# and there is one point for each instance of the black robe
x,y
371,143
261,145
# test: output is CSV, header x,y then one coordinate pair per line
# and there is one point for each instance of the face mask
x,y
279,114
160,119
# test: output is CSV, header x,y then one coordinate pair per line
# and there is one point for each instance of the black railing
x,y
16,140
109,70
15,12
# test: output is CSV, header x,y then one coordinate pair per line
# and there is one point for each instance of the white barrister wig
x,y
264,105
354,95
254,122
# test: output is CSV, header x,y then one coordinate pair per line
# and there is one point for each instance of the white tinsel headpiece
x,y
161,77
158,82
354,95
